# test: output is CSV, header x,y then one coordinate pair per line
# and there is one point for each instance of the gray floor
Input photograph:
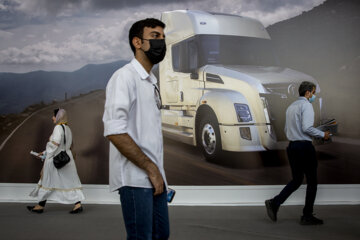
x,y
105,222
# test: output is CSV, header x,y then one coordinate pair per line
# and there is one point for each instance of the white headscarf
x,y
61,116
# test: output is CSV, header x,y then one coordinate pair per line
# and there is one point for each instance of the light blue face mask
x,y
312,99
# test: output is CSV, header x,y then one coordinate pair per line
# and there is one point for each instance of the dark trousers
x,y
302,159
146,216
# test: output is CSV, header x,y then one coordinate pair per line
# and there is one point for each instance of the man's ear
x,y
136,42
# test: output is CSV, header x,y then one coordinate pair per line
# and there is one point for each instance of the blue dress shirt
x,y
300,120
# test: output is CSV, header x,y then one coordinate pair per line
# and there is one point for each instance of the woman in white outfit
x,y
62,185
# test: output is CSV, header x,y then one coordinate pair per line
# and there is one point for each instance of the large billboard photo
x,y
228,76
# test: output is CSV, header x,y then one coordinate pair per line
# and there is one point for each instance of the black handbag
x,y
62,158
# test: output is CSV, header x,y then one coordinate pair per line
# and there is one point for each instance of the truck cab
x,y
221,85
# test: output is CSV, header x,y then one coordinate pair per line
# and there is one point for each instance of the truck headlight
x,y
243,112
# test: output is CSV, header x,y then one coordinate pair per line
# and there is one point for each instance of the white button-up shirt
x,y
299,125
130,107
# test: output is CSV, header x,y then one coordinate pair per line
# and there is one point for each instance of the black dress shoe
x,y
310,220
78,210
271,209
31,209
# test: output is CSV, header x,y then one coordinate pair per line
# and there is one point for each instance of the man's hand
x,y
126,145
327,135
155,178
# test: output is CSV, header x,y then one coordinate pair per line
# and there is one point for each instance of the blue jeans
x,y
146,216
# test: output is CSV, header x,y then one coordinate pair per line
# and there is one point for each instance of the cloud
x,y
113,4
49,8
5,34
96,45
266,11
3,7
103,43
274,5
87,31
280,14
35,9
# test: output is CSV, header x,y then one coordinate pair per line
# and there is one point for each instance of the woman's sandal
x,y
31,209
78,210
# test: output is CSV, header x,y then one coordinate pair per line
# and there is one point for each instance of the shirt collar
x,y
303,98
142,72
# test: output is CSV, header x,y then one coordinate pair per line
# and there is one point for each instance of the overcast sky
x,y
64,35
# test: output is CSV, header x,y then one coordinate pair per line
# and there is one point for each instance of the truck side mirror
x,y
194,76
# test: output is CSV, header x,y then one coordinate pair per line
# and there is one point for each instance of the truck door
x,y
189,80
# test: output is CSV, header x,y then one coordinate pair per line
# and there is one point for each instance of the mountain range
x,y
19,90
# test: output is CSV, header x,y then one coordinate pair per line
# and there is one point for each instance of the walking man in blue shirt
x,y
301,153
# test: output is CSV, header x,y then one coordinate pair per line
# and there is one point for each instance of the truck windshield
x,y
201,50
235,50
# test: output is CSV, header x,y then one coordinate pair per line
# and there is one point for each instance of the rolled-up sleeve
x,y
119,98
308,122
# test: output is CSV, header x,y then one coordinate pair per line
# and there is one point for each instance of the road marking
x,y
71,101
12,133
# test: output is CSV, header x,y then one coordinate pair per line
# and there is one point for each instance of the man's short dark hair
x,y
137,29
306,86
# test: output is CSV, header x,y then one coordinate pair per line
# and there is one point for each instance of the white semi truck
x,y
220,84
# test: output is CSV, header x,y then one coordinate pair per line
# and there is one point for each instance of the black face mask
x,y
157,50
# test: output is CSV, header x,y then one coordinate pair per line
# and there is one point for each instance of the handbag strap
x,y
64,135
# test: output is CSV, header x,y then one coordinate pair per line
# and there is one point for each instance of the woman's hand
x,y
40,156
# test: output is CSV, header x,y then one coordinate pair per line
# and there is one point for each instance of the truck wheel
x,y
208,137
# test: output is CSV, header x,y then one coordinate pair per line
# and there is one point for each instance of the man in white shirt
x,y
301,154
132,123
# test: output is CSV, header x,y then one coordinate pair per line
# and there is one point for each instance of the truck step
x,y
177,118
178,135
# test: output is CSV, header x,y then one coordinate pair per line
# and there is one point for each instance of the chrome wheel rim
x,y
208,138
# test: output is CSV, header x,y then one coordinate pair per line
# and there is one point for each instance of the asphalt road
x,y
184,165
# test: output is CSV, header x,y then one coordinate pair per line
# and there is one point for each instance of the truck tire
x,y
208,137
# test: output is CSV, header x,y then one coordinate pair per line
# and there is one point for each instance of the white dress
x,y
61,185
